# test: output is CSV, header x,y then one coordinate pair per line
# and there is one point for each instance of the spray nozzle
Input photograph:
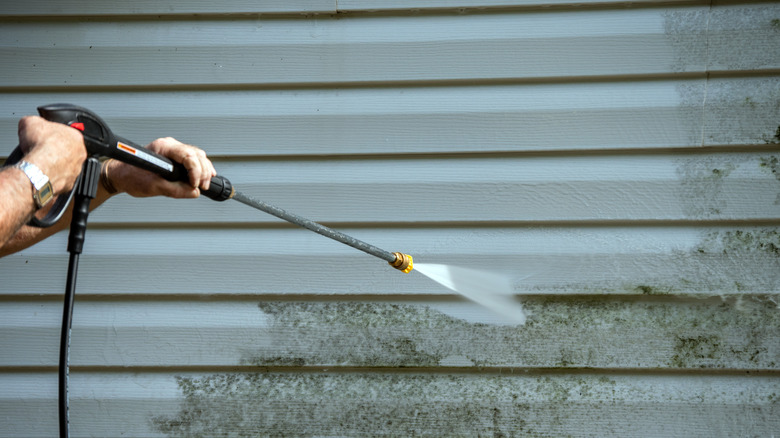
x,y
403,262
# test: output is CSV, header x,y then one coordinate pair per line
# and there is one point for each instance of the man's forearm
x,y
16,202
26,236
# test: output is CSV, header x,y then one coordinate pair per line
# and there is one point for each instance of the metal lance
x,y
400,261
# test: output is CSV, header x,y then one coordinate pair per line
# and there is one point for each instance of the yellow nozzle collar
x,y
403,262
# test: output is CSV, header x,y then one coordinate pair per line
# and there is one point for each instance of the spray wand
x,y
101,142
400,261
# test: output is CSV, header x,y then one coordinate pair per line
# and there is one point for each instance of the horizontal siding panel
x,y
75,8
507,118
625,115
333,63
526,189
369,49
357,404
538,260
141,7
589,332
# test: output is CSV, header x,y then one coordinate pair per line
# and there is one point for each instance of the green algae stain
x,y
739,261
282,404
561,334
329,369
645,289
406,348
358,334
742,242
710,351
375,404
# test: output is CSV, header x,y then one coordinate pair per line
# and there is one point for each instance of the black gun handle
x,y
100,141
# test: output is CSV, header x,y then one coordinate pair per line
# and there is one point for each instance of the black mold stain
x,y
771,163
706,350
694,349
775,139
743,242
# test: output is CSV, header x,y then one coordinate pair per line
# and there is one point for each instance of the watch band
x,y
43,192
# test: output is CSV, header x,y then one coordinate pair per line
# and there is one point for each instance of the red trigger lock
x,y
77,125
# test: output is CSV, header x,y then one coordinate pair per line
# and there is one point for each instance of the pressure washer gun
x,y
101,142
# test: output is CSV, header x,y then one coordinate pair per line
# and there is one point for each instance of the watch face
x,y
45,195
42,190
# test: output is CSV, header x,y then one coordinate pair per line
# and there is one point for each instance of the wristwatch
x,y
42,193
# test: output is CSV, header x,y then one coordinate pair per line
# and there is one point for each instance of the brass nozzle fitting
x,y
403,262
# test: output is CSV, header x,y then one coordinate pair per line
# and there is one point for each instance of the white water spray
x,y
494,291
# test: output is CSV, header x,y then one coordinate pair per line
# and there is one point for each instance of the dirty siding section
x,y
617,160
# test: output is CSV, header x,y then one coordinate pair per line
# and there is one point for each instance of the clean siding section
x,y
619,164
373,49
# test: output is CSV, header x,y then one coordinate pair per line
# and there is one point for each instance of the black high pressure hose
x,y
101,142
85,192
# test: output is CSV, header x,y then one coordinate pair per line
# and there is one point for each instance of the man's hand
x,y
56,149
141,183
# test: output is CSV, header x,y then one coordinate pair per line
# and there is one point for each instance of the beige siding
x,y
619,164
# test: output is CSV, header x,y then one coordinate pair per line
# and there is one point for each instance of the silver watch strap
x,y
43,190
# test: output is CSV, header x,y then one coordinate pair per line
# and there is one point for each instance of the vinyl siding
x,y
618,160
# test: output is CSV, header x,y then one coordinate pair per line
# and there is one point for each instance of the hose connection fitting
x,y
403,262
